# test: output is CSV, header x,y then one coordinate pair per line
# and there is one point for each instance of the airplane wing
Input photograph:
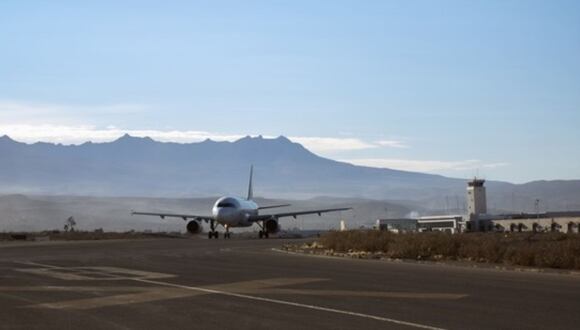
x,y
295,214
171,215
272,206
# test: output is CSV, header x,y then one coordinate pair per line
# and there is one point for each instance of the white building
x,y
447,223
397,225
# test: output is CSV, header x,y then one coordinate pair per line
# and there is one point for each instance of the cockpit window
x,y
226,204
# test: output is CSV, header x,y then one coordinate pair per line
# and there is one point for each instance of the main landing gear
x,y
216,234
263,233
212,233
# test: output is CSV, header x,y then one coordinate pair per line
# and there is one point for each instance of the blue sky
x,y
449,87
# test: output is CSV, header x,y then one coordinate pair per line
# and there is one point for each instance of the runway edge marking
x,y
467,266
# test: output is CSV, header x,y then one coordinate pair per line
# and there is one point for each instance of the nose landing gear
x,y
213,233
227,234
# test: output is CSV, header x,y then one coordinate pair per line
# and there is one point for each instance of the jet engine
x,y
271,226
194,227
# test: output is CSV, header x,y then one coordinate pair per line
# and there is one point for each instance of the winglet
x,y
250,186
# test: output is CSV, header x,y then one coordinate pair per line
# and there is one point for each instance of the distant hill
x,y
133,166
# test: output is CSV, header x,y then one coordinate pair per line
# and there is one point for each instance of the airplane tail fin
x,y
250,186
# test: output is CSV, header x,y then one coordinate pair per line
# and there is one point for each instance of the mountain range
x,y
142,167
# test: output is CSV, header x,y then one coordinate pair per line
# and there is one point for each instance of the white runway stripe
x,y
273,301
289,303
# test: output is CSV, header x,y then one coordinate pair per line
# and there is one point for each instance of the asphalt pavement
x,y
244,284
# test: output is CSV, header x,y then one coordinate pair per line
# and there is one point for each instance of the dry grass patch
x,y
552,250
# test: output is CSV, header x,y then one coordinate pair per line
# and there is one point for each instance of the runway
x,y
244,284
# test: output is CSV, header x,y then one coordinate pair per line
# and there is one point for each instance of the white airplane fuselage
x,y
234,211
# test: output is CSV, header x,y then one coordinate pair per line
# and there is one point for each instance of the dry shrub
x,y
553,250
422,246
482,247
371,241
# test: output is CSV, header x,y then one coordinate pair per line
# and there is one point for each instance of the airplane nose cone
x,y
223,213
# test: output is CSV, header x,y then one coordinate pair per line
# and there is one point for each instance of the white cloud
x,y
393,144
326,144
425,165
66,123
495,165
77,134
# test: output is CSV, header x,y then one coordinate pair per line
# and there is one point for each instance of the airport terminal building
x,y
478,220
566,222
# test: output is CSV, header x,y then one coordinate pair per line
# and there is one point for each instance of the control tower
x,y
476,200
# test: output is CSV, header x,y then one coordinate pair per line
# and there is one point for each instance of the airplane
x,y
231,212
